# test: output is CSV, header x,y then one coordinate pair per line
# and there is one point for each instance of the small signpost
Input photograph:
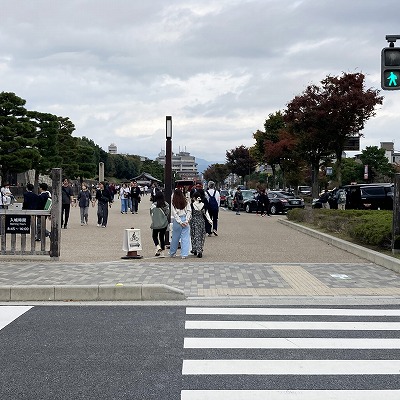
x,y
132,243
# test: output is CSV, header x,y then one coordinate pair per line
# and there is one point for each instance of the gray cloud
x,y
117,68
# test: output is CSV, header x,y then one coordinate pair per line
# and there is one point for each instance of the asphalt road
x,y
198,353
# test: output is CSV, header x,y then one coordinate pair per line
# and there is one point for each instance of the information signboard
x,y
18,224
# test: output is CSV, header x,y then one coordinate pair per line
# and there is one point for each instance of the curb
x,y
370,255
90,293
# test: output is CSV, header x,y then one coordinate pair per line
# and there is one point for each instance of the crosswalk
x,y
256,353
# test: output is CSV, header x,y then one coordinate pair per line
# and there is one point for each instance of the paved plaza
x,y
251,256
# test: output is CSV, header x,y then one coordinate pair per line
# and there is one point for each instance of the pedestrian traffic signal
x,y
390,68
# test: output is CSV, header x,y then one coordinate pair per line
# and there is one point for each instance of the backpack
x,y
212,202
158,218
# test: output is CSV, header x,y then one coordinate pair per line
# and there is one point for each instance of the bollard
x,y
132,243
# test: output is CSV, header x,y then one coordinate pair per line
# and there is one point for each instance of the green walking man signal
x,y
390,68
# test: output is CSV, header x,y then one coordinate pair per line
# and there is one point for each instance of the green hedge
x,y
371,227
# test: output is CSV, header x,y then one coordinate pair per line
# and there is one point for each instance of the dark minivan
x,y
372,196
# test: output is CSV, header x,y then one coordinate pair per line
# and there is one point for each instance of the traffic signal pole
x,y
390,65
390,80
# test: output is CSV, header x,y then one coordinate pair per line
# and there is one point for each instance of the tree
x,y
265,139
85,156
47,134
68,148
217,173
154,168
347,107
18,151
305,119
240,162
379,167
352,171
324,117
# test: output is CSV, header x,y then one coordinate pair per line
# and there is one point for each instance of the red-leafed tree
x,y
323,117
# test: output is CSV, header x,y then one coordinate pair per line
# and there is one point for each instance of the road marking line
x,y
294,325
290,394
291,311
10,313
291,367
290,343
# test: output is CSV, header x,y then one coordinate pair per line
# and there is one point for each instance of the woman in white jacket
x,y
181,213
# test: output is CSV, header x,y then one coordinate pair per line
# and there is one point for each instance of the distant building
x,y
392,155
183,164
112,148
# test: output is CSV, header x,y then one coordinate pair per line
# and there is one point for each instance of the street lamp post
x,y
168,168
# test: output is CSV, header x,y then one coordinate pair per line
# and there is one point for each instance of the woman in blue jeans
x,y
181,213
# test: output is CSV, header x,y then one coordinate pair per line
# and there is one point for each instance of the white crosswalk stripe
x,y
10,313
291,353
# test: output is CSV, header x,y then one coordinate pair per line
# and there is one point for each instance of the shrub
x,y
366,227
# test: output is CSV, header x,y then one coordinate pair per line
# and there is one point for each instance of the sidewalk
x,y
252,256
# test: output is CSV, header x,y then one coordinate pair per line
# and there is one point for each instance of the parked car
x,y
317,203
223,194
247,195
304,190
372,196
278,203
363,196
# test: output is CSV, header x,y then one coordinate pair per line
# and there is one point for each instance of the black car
x,y
278,203
373,196
247,195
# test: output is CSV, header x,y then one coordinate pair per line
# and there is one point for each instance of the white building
x,y
183,164
112,148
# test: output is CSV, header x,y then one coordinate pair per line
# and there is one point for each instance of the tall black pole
x,y
168,168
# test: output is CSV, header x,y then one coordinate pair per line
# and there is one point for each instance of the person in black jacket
x,y
66,195
104,200
30,199
135,197
44,195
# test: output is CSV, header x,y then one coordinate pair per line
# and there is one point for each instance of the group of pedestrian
x,y
130,197
193,217
40,201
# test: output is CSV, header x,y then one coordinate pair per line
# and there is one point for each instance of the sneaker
x,y
99,225
103,226
158,252
200,255
82,223
215,232
172,255
183,257
162,255
210,234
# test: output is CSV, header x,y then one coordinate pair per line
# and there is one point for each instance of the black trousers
x,y
65,209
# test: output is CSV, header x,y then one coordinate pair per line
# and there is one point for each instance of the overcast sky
x,y
116,68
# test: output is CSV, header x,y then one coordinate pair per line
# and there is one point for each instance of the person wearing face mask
x,y
198,223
